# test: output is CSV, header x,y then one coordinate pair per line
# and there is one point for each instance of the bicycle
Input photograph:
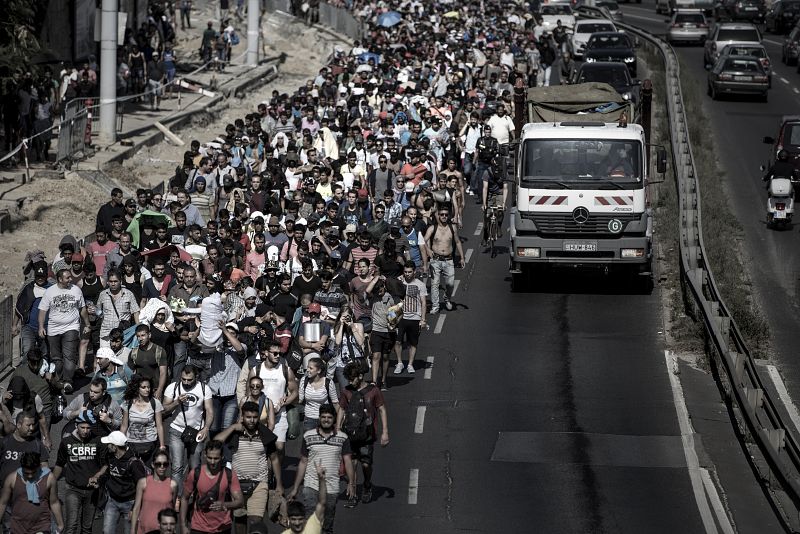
x,y
493,228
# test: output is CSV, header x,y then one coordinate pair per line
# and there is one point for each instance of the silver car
x,y
750,50
613,9
738,75
687,26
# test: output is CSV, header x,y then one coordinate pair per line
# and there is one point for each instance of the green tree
x,y
20,26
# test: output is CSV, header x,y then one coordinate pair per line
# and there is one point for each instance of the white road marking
x,y
479,229
784,80
796,90
692,463
783,393
419,424
413,486
455,286
468,255
428,368
770,41
439,323
716,503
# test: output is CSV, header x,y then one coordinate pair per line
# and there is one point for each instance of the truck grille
x,y
564,224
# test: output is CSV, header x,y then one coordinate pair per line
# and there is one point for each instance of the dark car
x,y
614,74
790,49
782,16
740,10
612,46
738,75
788,139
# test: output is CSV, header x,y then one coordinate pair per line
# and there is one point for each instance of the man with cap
x,y
113,370
26,310
124,471
82,460
274,236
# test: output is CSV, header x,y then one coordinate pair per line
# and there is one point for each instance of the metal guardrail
x,y
6,337
759,420
337,19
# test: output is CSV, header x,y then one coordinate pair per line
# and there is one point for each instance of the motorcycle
x,y
780,202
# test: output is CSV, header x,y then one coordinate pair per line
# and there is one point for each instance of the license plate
x,y
742,78
780,214
751,9
580,246
689,26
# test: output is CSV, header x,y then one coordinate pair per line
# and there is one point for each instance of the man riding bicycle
x,y
486,153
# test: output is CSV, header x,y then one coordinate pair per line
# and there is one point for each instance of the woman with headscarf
x,y
132,276
19,398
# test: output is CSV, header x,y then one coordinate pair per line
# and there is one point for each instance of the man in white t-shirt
x,y
502,126
194,409
61,312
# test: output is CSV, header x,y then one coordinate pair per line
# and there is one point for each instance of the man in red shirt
x,y
98,249
217,492
256,258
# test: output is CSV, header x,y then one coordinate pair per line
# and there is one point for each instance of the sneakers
x,y
410,369
67,389
351,502
366,497
434,310
448,306
398,368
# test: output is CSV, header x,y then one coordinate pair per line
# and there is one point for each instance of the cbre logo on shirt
x,y
80,451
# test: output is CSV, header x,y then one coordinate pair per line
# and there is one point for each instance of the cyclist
x,y
495,194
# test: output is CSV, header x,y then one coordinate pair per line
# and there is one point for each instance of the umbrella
x,y
389,19
152,217
366,56
452,15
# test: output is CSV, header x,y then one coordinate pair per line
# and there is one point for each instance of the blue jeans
x,y
442,271
28,339
78,510
177,455
467,168
225,411
113,512
64,353
179,360
476,183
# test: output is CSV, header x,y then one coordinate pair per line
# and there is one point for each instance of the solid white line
x,y
770,41
468,255
796,90
479,229
783,393
784,80
428,368
419,424
719,510
455,287
649,19
439,323
687,438
413,486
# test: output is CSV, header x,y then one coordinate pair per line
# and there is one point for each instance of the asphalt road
x,y
548,411
738,124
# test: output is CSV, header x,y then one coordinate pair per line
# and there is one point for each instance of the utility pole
x,y
253,18
108,72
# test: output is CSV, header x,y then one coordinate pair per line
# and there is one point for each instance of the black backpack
x,y
357,421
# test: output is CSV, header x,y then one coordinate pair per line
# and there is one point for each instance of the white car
x,y
552,13
584,29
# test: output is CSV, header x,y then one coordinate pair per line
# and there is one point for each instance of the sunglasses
x,y
161,464
256,386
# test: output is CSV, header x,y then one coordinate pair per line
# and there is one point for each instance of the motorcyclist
x,y
782,168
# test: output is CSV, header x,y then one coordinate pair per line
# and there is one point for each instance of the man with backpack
x,y
106,412
445,246
210,492
326,448
360,406
124,471
112,369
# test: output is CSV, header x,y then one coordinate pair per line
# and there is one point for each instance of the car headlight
x,y
627,96
630,59
590,60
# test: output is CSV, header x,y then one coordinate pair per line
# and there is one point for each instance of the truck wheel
x,y
519,282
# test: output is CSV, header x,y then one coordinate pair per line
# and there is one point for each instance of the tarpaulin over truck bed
x,y
582,102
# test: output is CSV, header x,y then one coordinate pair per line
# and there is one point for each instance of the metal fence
x,y
338,19
6,338
771,443
73,134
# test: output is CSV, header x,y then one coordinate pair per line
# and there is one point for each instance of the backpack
x,y
193,497
327,390
234,38
357,422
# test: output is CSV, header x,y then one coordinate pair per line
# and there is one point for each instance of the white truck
x,y
580,173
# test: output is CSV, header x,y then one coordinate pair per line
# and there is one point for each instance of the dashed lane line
x,y
468,254
428,368
419,424
479,229
455,286
439,323
413,486
770,41
784,80
796,90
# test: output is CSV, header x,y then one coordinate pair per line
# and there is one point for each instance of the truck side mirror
x,y
509,161
767,140
661,160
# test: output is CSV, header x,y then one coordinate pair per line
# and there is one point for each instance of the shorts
x,y
256,503
281,426
408,331
362,452
382,342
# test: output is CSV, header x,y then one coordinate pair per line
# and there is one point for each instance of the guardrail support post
x,y
647,100
755,397
738,365
776,437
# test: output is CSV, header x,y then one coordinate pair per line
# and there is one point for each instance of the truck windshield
x,y
582,163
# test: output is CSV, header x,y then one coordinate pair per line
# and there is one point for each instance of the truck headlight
x,y
632,253
629,59
529,252
590,60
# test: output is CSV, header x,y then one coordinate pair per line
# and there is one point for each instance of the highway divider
x,y
772,445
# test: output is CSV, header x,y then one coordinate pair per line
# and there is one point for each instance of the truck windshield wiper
x,y
609,182
544,183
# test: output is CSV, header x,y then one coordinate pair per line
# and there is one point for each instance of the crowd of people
x,y
269,294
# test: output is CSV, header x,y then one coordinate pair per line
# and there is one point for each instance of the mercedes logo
x,y
580,215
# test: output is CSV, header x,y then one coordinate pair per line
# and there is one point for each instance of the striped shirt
x,y
250,461
328,451
358,253
125,305
225,371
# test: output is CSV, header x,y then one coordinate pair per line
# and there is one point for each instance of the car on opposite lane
x,y
687,26
790,48
552,13
788,139
738,75
781,16
584,28
723,33
612,46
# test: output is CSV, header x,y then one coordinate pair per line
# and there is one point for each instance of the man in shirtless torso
x,y
443,242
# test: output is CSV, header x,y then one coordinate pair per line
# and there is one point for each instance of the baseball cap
x,y
116,438
232,326
40,268
314,307
108,353
350,229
